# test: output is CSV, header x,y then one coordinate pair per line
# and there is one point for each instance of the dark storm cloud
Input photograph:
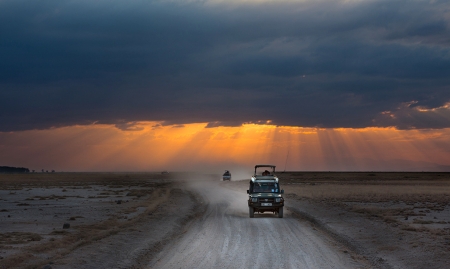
x,y
410,115
314,63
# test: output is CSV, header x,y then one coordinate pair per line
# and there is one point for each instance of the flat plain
x,y
140,220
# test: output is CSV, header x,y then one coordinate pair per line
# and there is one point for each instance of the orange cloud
x,y
150,146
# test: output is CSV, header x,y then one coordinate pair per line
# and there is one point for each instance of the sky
x,y
353,85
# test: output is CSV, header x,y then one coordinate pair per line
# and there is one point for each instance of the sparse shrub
x,y
139,192
389,219
59,232
409,228
419,221
18,237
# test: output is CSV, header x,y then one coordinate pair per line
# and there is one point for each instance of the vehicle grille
x,y
266,200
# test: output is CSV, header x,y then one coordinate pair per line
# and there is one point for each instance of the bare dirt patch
x,y
399,220
44,217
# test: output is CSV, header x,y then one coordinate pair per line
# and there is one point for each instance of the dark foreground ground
x,y
132,220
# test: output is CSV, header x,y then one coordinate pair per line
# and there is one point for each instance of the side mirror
x,y
282,191
248,191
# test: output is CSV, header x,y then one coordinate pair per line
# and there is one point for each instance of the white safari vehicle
x,y
264,193
226,175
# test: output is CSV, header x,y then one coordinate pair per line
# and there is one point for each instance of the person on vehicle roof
x,y
266,173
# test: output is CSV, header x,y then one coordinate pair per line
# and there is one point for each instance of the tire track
x,y
225,237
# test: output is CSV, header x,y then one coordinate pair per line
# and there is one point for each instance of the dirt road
x,y
225,237
189,220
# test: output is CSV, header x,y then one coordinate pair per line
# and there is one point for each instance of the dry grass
x,y
419,221
76,180
80,235
18,237
385,212
364,177
139,192
59,232
61,242
394,198
14,260
366,192
50,197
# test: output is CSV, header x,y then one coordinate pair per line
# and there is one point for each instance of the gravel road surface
x,y
225,237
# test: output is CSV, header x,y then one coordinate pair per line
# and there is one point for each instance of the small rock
x,y
9,216
119,202
48,266
66,226
406,218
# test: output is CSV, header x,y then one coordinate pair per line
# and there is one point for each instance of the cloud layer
x,y
299,63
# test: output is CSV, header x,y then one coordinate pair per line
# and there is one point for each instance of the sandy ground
x,y
332,220
225,237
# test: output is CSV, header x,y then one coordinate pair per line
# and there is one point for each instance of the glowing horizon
x,y
150,146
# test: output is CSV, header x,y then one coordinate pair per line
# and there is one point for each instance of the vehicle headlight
x,y
254,200
277,200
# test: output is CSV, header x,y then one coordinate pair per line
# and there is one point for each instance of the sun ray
x,y
150,146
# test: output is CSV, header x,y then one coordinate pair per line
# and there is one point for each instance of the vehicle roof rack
x,y
265,165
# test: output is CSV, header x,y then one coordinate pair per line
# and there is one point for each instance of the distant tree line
x,y
8,169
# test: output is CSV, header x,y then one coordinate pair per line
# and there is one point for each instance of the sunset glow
x,y
151,146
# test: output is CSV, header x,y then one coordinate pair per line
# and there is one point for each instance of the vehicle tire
x,y
251,211
280,212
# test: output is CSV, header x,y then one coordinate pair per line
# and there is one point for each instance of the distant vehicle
x,y
264,193
226,175
164,172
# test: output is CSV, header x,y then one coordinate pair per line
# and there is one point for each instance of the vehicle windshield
x,y
265,187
